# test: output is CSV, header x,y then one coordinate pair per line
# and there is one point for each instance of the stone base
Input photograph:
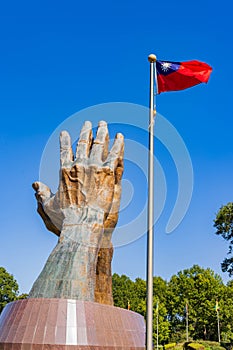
x,y
65,324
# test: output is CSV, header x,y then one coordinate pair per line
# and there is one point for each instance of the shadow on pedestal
x,y
33,324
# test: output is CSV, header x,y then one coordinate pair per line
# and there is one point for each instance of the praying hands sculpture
x,y
83,213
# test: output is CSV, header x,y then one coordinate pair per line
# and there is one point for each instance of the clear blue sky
x,y
60,57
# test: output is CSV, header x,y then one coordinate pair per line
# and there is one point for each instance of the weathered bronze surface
x,y
83,213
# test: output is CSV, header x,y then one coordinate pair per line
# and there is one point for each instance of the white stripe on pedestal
x,y
71,323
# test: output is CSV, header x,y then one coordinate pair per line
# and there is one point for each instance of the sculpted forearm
x,y
83,214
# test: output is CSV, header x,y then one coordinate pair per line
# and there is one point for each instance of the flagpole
x,y
217,312
219,338
150,222
157,325
187,323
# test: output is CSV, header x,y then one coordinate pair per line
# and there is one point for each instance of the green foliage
x,y
211,345
8,288
122,288
179,336
195,346
179,346
128,293
226,313
160,311
22,296
202,344
199,289
227,345
224,226
169,346
160,347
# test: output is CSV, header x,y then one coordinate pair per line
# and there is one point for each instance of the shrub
x,y
169,346
227,345
195,346
211,345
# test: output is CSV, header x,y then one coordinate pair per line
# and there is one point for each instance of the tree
x,y
226,313
224,226
198,288
132,295
160,311
138,297
9,288
122,290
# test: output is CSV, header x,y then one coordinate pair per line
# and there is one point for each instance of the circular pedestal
x,y
63,324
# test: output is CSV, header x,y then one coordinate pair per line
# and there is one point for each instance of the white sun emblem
x,y
165,66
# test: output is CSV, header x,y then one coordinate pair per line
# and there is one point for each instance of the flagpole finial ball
x,y
151,58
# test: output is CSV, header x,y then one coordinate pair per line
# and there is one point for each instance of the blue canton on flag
x,y
167,67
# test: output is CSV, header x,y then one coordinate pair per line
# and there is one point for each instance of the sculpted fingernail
x,y
102,123
64,134
65,139
120,136
87,125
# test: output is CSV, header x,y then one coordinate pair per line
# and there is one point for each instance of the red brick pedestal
x,y
65,324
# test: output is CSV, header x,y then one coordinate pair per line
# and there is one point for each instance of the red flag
x,y
172,76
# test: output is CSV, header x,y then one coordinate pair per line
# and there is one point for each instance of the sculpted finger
x,y
43,192
47,221
66,154
115,157
84,142
99,149
112,217
119,170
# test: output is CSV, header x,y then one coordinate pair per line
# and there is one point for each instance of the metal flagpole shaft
x,y
150,222
219,338
157,325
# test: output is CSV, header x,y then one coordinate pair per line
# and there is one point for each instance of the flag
x,y
172,76
217,306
